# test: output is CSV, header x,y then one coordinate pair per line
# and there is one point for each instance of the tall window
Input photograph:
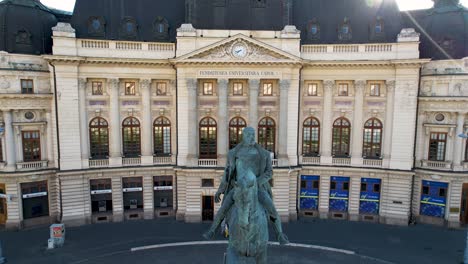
x,y
437,145
161,88
27,86
130,88
208,138
267,134
236,126
375,89
312,89
311,137
238,88
97,88
207,88
99,138
341,138
1,150
372,147
466,151
162,136
343,89
31,146
131,137
267,89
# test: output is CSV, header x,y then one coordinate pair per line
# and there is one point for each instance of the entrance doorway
x,y
464,205
208,208
3,206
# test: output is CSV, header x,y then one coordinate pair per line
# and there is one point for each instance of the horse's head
x,y
246,195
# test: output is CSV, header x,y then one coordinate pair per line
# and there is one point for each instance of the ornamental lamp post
x,y
465,256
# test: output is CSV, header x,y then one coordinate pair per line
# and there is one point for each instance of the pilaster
x,y
9,141
357,127
115,148
283,159
387,136
326,144
192,156
459,146
82,84
254,86
146,139
222,121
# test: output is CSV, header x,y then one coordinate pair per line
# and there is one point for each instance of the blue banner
x,y
339,196
369,201
309,194
433,198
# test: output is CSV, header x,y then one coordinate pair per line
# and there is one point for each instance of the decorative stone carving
x,y
82,82
4,84
145,83
408,35
285,84
360,85
390,85
191,84
329,84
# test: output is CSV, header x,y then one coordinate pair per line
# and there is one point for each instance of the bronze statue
x,y
247,207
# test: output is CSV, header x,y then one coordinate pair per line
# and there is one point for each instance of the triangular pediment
x,y
238,49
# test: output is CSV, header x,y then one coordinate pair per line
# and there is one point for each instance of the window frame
x,y
312,92
237,93
166,123
27,90
127,91
1,150
466,150
264,128
236,127
101,126
372,92
369,147
100,90
131,148
33,155
269,92
312,129
208,149
341,128
206,90
340,91
438,141
161,86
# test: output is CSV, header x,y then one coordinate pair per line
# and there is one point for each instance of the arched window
x,y
267,134
236,126
208,138
372,144
131,137
311,137
162,136
99,138
341,137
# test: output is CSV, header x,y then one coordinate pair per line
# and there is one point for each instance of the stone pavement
x,y
111,243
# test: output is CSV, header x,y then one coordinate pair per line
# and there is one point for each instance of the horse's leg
x,y
227,204
231,256
262,257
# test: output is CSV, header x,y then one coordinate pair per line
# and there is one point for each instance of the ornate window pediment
x,y
129,28
345,32
23,37
313,30
161,28
258,3
377,29
97,26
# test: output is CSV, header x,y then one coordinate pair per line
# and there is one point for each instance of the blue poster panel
x,y
433,198
369,201
339,194
309,192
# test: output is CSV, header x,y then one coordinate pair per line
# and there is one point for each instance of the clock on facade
x,y
239,50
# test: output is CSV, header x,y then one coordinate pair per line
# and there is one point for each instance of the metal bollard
x,y
2,259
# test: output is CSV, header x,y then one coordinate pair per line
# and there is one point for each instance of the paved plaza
x,y
314,241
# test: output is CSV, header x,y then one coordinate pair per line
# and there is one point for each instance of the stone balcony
x,y
213,163
99,163
310,160
436,165
372,163
129,162
33,165
163,160
341,161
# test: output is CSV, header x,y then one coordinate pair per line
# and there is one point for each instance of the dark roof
x,y
107,19
443,28
26,27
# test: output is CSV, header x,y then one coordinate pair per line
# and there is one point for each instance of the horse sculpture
x,y
248,222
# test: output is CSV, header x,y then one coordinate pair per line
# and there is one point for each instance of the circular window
x,y
439,117
29,115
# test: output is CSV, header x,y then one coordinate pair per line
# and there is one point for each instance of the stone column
x,y
357,125
192,157
254,86
223,125
50,139
283,159
146,129
115,148
387,133
9,141
327,123
459,146
84,135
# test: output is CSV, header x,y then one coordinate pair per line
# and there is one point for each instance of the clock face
x,y
239,51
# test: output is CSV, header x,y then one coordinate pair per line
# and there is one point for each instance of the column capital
x,y
223,82
254,83
329,84
145,83
390,85
285,84
113,82
82,82
191,83
360,85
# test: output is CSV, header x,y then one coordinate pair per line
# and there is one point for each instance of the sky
x,y
404,4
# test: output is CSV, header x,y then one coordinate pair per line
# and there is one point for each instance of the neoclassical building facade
x,y
130,115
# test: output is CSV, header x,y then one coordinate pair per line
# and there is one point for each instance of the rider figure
x,y
258,160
